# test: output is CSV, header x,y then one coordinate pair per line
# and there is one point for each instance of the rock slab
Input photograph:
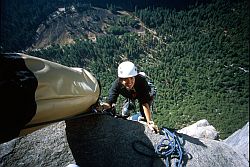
x,y
100,141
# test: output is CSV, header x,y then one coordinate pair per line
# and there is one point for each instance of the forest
x,y
198,58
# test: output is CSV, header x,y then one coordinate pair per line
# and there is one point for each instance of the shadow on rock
x,y
193,140
186,154
106,141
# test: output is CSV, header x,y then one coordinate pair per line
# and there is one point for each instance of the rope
x,y
92,112
170,147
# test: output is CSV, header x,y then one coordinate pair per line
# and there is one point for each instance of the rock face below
x,y
201,129
239,141
106,141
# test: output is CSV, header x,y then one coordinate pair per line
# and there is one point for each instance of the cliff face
x,y
239,141
66,25
106,141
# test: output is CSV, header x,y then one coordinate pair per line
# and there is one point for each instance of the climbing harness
x,y
170,147
128,107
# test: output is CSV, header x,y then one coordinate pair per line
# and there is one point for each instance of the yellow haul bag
x,y
59,91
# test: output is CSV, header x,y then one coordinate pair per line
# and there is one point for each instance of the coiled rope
x,y
170,147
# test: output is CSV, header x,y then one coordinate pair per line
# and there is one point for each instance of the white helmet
x,y
127,69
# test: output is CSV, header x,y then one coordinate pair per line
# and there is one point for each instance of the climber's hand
x,y
108,109
152,126
102,106
105,106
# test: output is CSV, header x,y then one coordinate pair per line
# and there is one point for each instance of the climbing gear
x,y
128,107
36,90
170,147
127,69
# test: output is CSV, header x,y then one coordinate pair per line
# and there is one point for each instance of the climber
x,y
132,86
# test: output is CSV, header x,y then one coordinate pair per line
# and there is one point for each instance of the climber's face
x,y
128,82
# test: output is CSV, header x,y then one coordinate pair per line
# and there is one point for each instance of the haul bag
x,y
35,90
